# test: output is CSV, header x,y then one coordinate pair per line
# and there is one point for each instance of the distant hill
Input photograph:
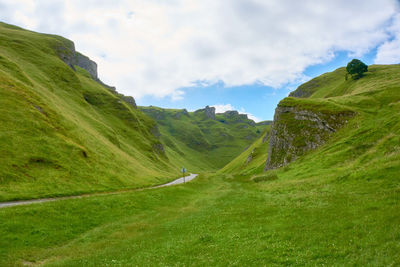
x,y
204,140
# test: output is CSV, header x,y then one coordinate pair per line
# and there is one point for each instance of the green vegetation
x,y
61,132
335,205
252,160
331,84
356,68
202,140
322,218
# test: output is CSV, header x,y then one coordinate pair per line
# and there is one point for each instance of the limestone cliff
x,y
208,111
302,125
72,58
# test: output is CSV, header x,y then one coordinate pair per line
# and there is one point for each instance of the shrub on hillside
x,y
356,68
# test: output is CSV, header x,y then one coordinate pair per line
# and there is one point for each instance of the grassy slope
x,y
200,143
374,98
53,142
252,160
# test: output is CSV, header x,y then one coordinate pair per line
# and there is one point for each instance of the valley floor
x,y
214,220
42,200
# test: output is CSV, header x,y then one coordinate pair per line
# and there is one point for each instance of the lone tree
x,y
356,68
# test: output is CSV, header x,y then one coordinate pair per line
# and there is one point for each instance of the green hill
x,y
203,140
334,123
64,132
252,160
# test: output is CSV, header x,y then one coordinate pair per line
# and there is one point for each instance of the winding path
x,y
41,200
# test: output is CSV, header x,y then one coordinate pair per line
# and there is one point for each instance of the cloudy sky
x,y
241,54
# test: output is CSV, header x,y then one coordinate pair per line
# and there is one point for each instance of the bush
x,y
356,68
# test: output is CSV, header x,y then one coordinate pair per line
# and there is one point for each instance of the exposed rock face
x,y
209,112
74,58
86,63
265,138
296,130
233,115
130,100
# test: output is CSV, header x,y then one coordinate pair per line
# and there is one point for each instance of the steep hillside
x,y
334,122
204,140
252,160
64,132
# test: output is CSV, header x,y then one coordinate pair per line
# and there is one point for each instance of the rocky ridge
x,y
72,58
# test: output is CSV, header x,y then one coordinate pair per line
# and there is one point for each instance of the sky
x,y
232,54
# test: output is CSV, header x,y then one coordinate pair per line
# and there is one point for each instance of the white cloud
x,y
155,47
221,108
389,52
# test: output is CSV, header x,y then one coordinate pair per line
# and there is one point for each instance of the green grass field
x,y
215,220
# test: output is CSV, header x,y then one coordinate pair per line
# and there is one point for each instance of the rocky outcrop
x,y
130,100
265,138
231,113
86,63
73,58
208,111
235,117
298,129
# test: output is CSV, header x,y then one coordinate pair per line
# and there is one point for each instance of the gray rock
x,y
86,63
130,100
297,130
265,138
231,113
73,58
208,111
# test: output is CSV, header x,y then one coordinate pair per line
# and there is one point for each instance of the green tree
x,y
356,68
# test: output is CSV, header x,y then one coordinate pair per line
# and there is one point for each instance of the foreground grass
x,y
214,220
